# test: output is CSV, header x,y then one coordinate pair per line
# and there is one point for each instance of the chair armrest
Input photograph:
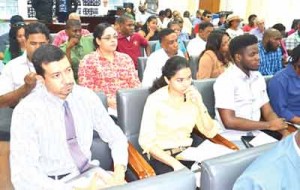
x,y
218,139
138,164
291,128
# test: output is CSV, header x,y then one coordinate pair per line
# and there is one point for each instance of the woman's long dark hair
x,y
214,42
14,46
172,66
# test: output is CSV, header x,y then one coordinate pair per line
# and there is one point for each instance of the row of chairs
x,y
215,173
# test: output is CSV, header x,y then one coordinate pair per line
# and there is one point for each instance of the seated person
x,y
106,69
270,54
284,89
18,78
215,58
234,29
157,59
149,30
197,45
77,45
171,112
174,25
52,128
61,37
276,169
16,42
241,98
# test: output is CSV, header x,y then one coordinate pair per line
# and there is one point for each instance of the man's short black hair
x,y
295,55
37,28
44,55
164,32
239,43
204,25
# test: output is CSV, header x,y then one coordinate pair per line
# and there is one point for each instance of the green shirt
x,y
7,56
84,47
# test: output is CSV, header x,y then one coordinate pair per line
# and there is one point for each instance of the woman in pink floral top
x,y
106,69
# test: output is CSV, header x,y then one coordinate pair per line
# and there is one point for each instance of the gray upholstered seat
x,y
205,87
220,173
141,67
193,62
5,120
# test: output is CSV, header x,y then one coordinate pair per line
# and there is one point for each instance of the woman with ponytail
x,y
171,111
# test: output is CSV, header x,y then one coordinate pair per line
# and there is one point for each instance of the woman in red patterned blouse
x,y
106,69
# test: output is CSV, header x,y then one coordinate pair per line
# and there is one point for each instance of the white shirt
x,y
14,72
196,46
38,136
142,18
234,90
234,33
154,64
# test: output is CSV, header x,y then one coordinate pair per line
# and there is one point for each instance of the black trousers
x,y
161,168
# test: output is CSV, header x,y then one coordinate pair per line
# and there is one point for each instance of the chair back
x,y
193,62
103,99
221,173
205,87
5,121
141,67
130,106
152,45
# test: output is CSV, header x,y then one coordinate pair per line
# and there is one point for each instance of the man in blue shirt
x,y
284,89
275,170
270,53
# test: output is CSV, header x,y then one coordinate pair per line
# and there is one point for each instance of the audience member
x,y
284,91
16,42
52,128
14,21
150,29
251,24
142,16
18,78
174,25
43,10
63,8
260,28
117,69
293,40
294,27
170,114
184,36
222,21
241,98
270,53
130,42
281,28
167,18
152,6
206,17
62,37
276,169
197,44
234,29
215,58
187,23
169,44
160,20
77,45
197,19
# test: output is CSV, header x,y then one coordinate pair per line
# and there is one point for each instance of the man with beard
x,y
52,129
270,52
77,45
241,99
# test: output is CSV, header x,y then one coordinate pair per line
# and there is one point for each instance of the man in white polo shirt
x,y
17,78
240,94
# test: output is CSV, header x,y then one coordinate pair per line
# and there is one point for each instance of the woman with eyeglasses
x,y
16,42
106,69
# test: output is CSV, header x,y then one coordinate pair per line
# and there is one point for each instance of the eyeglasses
x,y
115,37
18,24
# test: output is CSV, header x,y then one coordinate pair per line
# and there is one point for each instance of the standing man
x,y
63,8
241,99
52,128
130,42
18,76
270,53
43,10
